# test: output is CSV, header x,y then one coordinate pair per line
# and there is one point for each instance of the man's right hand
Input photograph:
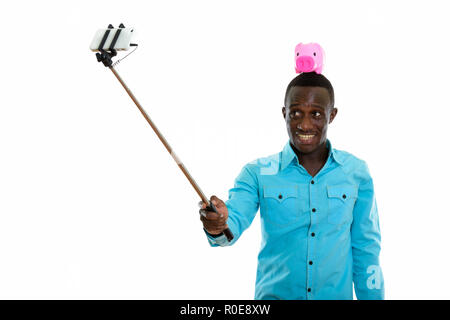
x,y
214,223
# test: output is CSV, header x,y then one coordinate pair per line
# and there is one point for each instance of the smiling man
x,y
319,218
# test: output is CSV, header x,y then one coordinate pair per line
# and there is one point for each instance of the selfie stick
x,y
105,56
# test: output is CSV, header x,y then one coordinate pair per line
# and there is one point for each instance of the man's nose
x,y
305,124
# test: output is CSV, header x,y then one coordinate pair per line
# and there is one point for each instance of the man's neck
x,y
313,161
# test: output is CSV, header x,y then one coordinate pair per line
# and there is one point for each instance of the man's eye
x,y
295,114
317,114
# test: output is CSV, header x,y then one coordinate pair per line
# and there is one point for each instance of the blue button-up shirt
x,y
320,234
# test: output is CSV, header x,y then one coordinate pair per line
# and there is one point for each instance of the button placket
x,y
313,202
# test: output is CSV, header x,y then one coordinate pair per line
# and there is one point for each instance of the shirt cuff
x,y
216,240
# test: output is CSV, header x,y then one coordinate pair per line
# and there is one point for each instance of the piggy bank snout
x,y
305,64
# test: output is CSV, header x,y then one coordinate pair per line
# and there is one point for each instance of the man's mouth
x,y
306,138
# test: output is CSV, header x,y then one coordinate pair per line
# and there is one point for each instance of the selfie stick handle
x,y
210,206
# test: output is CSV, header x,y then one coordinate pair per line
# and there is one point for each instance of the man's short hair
x,y
311,79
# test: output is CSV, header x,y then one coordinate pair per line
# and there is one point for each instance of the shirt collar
x,y
287,155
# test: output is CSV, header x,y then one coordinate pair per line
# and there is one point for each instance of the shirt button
x,y
313,209
309,289
280,196
344,196
312,181
313,234
310,263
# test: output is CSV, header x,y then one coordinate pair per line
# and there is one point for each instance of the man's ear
x,y
333,113
284,112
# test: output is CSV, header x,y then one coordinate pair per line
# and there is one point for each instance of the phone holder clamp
x,y
105,56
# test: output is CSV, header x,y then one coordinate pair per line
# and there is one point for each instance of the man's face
x,y
307,114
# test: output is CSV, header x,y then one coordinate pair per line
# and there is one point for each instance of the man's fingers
x,y
213,225
213,222
211,215
216,230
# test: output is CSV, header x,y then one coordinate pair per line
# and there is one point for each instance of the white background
x,y
93,207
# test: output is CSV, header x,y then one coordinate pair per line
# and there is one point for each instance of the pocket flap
x,y
343,192
280,192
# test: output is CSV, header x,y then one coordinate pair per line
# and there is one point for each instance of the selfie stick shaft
x,y
194,184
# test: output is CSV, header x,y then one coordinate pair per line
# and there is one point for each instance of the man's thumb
x,y
216,202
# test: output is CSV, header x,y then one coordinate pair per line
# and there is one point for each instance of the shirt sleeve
x,y
242,204
366,239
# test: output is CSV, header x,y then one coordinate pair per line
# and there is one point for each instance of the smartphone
x,y
122,43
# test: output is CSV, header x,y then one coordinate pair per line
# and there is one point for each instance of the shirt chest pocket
x,y
341,200
282,205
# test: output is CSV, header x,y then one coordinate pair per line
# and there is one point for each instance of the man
x,y
319,218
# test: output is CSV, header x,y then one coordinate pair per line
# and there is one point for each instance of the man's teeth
x,y
306,137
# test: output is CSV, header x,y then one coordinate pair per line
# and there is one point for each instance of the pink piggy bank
x,y
309,57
